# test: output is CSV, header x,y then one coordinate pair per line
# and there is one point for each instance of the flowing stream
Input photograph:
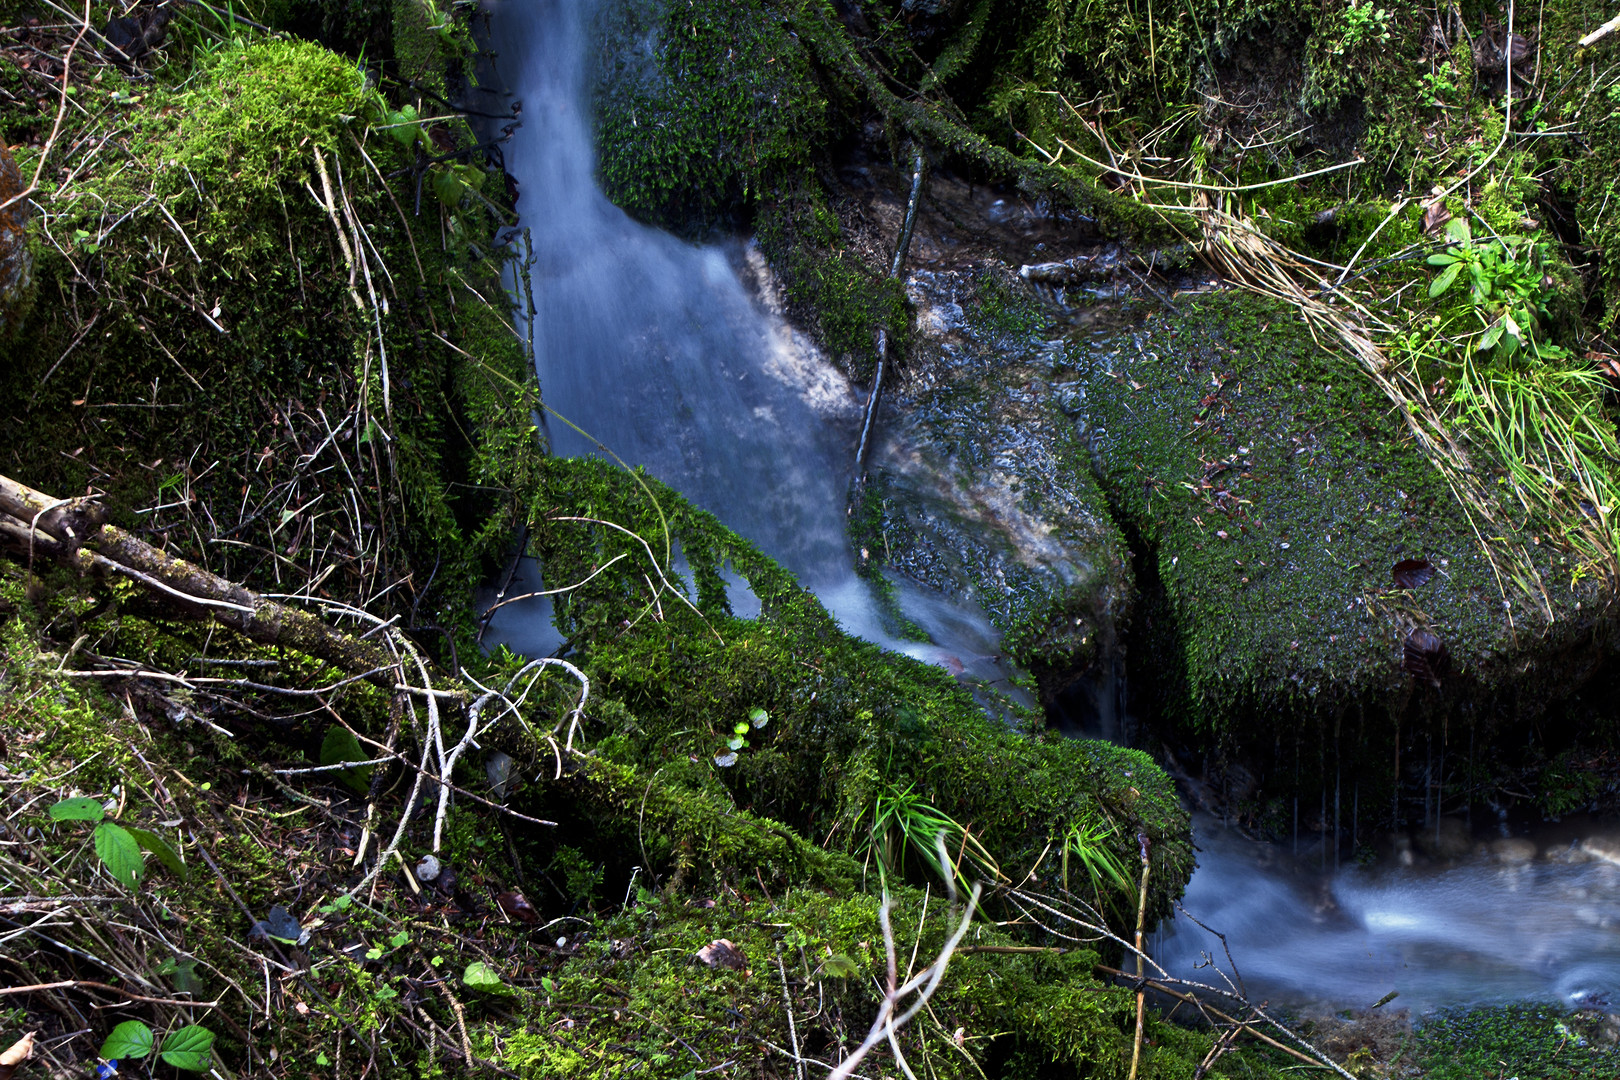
x,y
660,351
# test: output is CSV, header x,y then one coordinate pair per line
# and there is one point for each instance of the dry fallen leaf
x,y
14,1055
1425,656
722,953
517,906
1435,216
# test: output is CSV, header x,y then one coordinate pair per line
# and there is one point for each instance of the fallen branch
x,y
74,532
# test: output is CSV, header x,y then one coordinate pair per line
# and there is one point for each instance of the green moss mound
x,y
1276,494
251,317
846,720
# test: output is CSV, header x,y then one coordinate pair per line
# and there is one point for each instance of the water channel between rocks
x,y
663,355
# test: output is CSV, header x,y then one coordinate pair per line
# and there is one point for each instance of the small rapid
x,y
1534,918
663,356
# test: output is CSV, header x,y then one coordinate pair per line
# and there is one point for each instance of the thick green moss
x,y
847,720
210,338
633,993
1273,493
702,108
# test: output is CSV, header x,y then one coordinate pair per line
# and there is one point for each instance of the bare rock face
x,y
16,265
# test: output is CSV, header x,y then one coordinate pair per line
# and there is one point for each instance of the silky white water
x,y
656,349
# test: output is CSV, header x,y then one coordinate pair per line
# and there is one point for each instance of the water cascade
x,y
664,356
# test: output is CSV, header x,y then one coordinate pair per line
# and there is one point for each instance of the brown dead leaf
x,y
722,953
1411,573
1425,656
1435,217
517,906
14,1055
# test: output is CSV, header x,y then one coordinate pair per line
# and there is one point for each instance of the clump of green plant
x,y
1086,842
1362,24
1508,290
903,819
738,740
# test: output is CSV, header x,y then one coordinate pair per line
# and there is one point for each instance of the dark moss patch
x,y
1532,1042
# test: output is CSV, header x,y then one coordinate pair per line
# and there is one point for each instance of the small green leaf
x,y
839,966
1458,232
81,809
759,718
322,1060
400,939
190,1048
131,1039
1447,278
480,976
737,743
339,746
386,993
1442,259
1492,335
121,854
740,727
159,847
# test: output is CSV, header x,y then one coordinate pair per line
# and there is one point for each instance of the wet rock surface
x,y
982,485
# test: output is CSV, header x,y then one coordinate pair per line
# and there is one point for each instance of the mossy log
x,y
75,532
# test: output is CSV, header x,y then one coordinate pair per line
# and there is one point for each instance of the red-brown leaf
x,y
1411,573
722,953
517,906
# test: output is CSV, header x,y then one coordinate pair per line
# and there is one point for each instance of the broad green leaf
x,y
480,976
339,746
190,1048
1442,259
839,966
1458,232
159,847
1445,280
121,853
131,1039
81,809
1492,335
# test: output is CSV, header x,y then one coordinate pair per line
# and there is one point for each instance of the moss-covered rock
x,y
634,991
245,308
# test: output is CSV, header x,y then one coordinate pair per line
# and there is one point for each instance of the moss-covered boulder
x,y
244,307
983,488
1298,536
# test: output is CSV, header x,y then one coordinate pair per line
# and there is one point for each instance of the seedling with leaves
x,y
727,757
119,846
